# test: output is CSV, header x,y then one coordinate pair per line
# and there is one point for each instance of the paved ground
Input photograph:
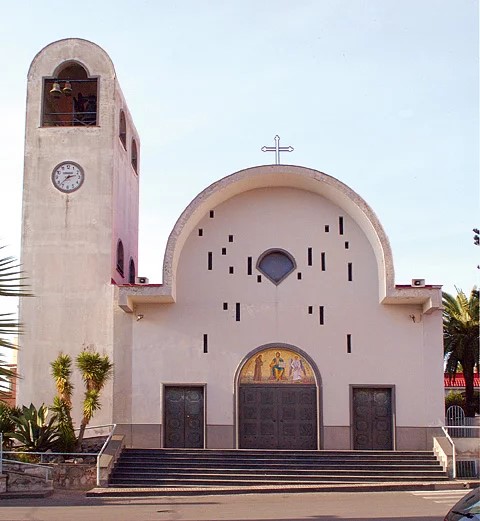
x,y
325,506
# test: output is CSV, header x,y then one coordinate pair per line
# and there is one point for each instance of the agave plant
x,y
33,430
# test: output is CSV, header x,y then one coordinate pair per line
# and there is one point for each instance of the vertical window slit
x,y
210,260
321,315
200,232
225,306
224,251
340,225
347,245
249,265
230,270
230,238
212,214
309,256
323,261
327,228
259,278
350,272
299,276
237,311
349,343
205,343
310,310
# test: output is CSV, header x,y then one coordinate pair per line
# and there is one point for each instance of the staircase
x,y
262,468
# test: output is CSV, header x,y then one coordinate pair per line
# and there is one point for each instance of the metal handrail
x,y
454,463
102,450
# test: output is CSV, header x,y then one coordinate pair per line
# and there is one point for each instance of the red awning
x,y
458,380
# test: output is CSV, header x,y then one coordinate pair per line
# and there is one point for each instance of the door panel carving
x,y
372,419
278,417
184,417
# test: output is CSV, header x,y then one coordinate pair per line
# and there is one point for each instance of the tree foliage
x,y
96,370
11,285
62,403
461,339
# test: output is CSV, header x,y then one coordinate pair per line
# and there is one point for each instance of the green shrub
x,y
454,398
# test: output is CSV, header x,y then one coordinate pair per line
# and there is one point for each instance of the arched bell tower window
x,y
70,98
123,130
131,272
276,265
120,257
134,156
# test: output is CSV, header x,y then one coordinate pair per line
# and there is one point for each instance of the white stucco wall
x,y
387,346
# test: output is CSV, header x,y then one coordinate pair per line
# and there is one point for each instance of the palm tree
x,y
461,339
96,371
62,403
11,285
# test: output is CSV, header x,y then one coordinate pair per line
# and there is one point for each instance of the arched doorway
x,y
278,400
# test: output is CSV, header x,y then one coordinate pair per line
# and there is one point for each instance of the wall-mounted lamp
x,y
139,317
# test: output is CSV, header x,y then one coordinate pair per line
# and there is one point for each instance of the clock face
x,y
68,176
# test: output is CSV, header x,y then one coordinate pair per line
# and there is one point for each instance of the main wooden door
x,y
278,417
184,423
372,419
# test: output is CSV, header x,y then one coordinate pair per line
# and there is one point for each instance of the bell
x,y
67,88
56,92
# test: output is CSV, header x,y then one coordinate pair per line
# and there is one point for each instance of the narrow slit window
x,y
309,256
299,275
237,311
350,272
249,265
224,251
134,156
231,270
259,278
200,232
347,245
349,343
212,214
225,306
323,261
210,260
230,238
310,310
321,315
205,343
340,225
131,272
122,134
120,257
327,228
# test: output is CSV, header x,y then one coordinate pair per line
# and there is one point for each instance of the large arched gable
x,y
289,176
281,176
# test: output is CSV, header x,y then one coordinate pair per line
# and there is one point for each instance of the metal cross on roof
x,y
277,149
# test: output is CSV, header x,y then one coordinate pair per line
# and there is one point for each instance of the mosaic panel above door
x,y
277,365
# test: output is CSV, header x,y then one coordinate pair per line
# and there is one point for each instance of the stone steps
x,y
256,468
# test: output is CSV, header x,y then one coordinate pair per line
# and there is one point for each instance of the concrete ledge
x,y
278,488
110,456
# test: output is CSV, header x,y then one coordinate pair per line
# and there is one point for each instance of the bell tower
x,y
80,212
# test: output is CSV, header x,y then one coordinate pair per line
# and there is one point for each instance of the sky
x,y
380,94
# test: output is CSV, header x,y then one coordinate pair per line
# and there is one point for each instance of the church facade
x,y
278,323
